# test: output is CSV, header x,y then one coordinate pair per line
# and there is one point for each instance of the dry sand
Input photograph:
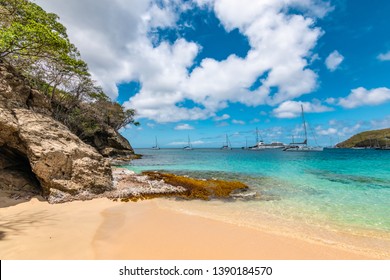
x,y
103,229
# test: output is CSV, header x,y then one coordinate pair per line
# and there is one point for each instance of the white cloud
x,y
184,126
222,124
123,48
384,56
178,143
350,130
382,123
361,97
334,60
222,118
292,109
238,122
326,132
331,100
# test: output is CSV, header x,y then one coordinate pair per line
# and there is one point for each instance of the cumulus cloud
x,y
222,118
342,129
184,126
238,122
384,56
382,123
179,143
292,109
118,41
326,132
334,60
361,97
222,124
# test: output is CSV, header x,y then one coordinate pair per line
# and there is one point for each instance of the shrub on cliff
x,y
36,44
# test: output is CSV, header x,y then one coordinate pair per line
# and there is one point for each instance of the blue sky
x,y
207,68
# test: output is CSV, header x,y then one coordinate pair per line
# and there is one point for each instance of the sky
x,y
205,69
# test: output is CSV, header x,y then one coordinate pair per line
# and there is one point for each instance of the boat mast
x,y
189,142
156,142
304,124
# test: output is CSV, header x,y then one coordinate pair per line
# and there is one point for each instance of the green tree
x,y
35,43
28,32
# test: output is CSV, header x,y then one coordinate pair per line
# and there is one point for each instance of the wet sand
x,y
103,229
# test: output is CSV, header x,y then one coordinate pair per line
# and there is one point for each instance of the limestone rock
x,y
111,144
58,159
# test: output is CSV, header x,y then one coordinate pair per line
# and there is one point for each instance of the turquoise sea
x,y
338,196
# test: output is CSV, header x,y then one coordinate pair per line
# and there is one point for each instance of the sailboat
x,y
189,146
156,147
246,144
302,146
228,146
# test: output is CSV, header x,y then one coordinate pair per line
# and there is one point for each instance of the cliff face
x,y
109,143
41,151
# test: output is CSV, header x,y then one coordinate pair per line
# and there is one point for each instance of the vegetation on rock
x,y
34,43
372,138
198,188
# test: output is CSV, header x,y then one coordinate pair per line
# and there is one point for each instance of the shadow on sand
x,y
15,224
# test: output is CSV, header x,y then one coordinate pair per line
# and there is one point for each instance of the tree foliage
x,y
28,32
35,43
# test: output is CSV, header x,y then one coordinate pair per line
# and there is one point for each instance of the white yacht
x,y
260,145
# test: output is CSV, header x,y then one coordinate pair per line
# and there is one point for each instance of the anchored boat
x,y
302,146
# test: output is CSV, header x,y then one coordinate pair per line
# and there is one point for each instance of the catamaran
x,y
156,147
302,146
189,146
227,146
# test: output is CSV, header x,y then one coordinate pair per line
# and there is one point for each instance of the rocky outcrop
x,y
111,144
56,158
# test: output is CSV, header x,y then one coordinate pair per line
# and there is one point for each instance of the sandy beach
x,y
104,229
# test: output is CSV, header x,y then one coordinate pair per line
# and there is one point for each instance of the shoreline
x,y
104,229
159,228
191,237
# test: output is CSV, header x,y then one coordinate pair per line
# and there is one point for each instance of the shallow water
x,y
335,196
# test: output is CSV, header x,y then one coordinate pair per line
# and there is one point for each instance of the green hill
x,y
371,138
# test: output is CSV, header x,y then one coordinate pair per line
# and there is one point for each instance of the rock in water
x,y
58,158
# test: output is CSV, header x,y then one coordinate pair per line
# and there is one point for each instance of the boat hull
x,y
303,149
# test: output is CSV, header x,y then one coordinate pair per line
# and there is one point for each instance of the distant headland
x,y
379,139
